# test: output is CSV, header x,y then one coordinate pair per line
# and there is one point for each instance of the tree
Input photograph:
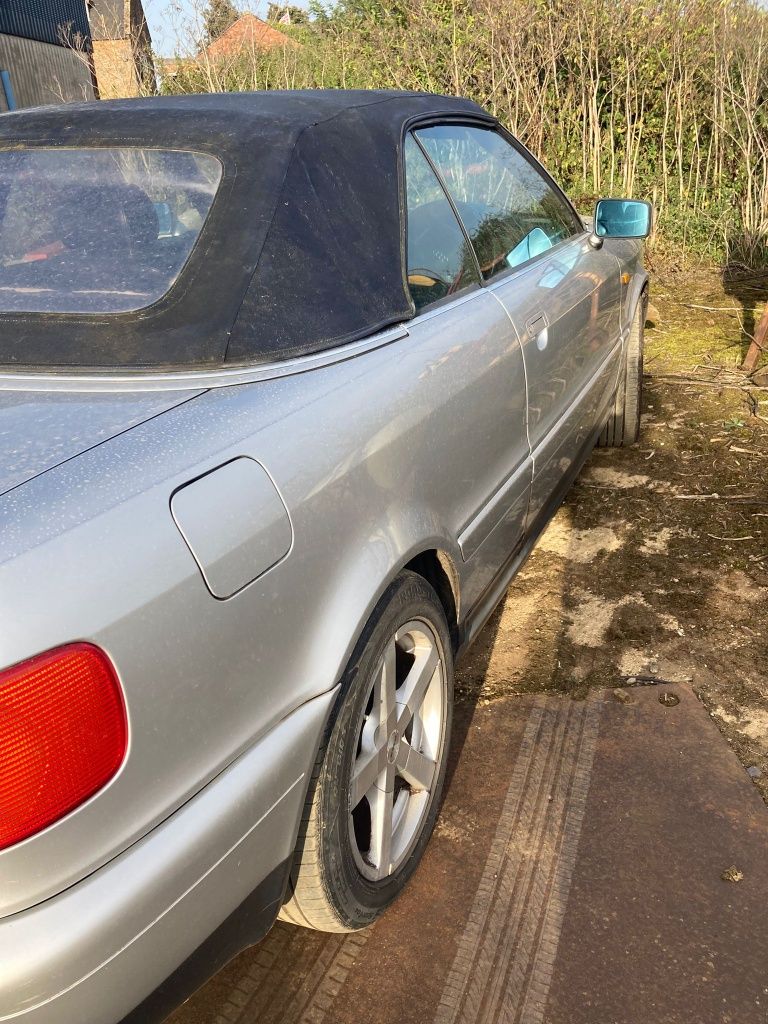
x,y
287,14
218,16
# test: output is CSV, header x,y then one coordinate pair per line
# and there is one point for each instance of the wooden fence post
x,y
759,344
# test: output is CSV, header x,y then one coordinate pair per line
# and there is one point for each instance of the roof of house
x,y
248,32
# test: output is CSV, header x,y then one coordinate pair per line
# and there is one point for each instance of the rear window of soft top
x,y
98,230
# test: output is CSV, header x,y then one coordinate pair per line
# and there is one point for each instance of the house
x,y
247,33
122,49
45,53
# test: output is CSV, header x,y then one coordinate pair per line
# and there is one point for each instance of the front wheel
x,y
377,783
623,425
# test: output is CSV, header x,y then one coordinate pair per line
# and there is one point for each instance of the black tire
x,y
623,425
328,890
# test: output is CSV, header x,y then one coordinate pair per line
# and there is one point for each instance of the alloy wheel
x,y
399,750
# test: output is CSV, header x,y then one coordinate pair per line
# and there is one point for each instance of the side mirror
x,y
623,218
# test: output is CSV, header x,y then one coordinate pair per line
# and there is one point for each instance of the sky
x,y
174,24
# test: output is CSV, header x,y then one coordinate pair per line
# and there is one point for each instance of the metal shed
x,y
45,52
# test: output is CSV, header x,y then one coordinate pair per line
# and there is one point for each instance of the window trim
x,y
467,289
447,302
409,126
491,124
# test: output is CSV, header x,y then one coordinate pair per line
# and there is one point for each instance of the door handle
x,y
537,328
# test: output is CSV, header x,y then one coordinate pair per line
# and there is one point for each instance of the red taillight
x,y
63,735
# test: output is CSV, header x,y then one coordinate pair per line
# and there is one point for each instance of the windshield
x,y
98,230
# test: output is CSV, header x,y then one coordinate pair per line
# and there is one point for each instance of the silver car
x,y
289,385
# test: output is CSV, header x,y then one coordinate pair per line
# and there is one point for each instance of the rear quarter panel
x,y
363,453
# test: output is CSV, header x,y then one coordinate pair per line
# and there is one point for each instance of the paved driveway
x,y
574,878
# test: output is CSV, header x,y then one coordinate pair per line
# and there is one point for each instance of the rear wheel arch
x,y
349,601
364,585
439,570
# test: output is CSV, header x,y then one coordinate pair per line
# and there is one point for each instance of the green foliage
x,y
660,99
217,17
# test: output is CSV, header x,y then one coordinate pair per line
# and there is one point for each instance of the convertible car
x,y
289,385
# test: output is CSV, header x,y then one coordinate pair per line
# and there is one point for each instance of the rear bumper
x,y
200,887
244,927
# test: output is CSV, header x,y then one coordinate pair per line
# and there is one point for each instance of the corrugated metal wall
x,y
41,19
42,73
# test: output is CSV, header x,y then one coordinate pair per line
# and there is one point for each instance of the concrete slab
x,y
574,878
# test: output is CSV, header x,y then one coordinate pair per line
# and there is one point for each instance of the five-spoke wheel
x,y
401,739
377,783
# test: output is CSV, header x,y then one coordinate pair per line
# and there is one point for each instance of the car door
x,y
471,364
561,294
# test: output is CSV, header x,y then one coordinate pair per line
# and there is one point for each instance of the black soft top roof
x,y
302,249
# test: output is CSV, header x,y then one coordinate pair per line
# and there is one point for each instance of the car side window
x,y
510,211
440,259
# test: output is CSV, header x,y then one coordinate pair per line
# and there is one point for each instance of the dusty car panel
x,y
144,913
356,516
215,515
40,430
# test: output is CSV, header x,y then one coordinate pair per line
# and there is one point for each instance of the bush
x,y
665,100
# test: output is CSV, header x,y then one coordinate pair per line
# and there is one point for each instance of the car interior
x,y
122,254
